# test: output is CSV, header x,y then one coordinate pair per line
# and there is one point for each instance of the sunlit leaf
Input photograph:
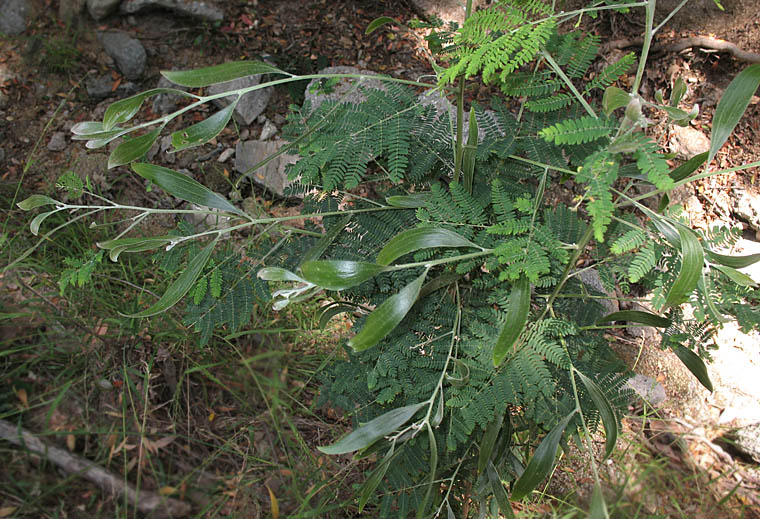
x,y
740,278
737,262
379,22
184,187
732,105
387,316
408,201
542,462
205,130
694,364
420,238
517,315
636,316
182,284
339,274
373,430
202,77
609,419
614,98
132,149
692,260
35,201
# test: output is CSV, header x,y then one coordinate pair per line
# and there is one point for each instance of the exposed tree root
x,y
704,42
149,503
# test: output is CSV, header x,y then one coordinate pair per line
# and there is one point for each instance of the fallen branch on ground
x,y
146,502
703,42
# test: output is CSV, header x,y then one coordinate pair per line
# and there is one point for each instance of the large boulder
x,y
204,11
99,9
127,52
13,16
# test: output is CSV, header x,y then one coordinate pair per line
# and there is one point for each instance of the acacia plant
x,y
478,349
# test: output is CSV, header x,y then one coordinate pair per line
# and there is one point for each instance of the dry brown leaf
x,y
7,510
71,442
275,505
23,397
167,491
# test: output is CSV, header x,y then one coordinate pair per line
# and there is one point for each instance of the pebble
x,y
13,16
127,52
226,154
57,142
268,131
99,9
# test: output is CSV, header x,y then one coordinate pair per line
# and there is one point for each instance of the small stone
x,y
747,207
101,87
99,9
591,279
688,142
272,176
747,441
127,52
13,16
57,142
250,105
268,131
200,10
647,388
344,91
226,154
152,152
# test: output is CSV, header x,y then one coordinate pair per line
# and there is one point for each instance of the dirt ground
x,y
43,72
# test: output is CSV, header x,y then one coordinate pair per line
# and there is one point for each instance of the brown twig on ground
x,y
704,42
146,502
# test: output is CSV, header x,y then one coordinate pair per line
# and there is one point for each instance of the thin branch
x,y
146,502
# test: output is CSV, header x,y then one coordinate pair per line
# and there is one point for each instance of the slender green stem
x,y
570,265
458,147
561,73
441,261
645,48
542,165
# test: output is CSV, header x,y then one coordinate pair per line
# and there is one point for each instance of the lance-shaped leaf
x,y
182,284
278,274
116,247
375,477
206,76
420,238
205,130
379,22
488,441
334,309
636,316
740,278
34,226
737,262
124,109
408,201
132,149
517,314
94,139
688,167
609,420
731,106
540,465
468,153
87,128
184,187
387,316
598,509
339,274
364,436
694,364
614,98
692,260
35,201
499,492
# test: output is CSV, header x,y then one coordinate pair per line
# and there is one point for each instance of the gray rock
x,y
268,131
99,9
687,141
57,142
202,221
225,155
647,388
272,176
100,88
127,52
250,105
346,90
747,207
205,10
446,10
69,10
13,16
166,103
747,441
593,282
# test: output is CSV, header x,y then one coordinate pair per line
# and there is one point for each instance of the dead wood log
x,y
703,42
149,503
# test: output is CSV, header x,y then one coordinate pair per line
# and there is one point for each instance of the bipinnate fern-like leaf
x,y
599,173
578,131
